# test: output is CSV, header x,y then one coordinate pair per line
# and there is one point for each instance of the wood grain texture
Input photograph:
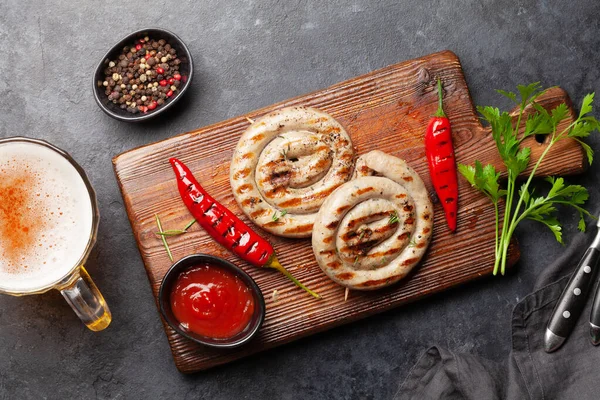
x,y
387,110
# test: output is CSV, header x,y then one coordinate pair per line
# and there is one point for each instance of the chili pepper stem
x,y
275,264
440,111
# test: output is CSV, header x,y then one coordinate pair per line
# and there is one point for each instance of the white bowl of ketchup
x,y
211,301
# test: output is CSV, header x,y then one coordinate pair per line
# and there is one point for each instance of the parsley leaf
x,y
484,179
276,215
586,105
509,95
505,133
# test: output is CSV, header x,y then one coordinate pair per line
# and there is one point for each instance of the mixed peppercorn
x,y
144,76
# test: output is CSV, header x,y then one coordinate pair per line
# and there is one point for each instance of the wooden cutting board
x,y
387,110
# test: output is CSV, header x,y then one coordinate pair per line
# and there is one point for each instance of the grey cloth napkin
x,y
572,372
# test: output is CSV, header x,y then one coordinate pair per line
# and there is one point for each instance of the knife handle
x,y
595,318
573,298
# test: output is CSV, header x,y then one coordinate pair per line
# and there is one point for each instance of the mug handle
x,y
86,300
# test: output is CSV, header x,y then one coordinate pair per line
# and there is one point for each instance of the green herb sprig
x,y
508,139
164,240
174,232
393,218
277,215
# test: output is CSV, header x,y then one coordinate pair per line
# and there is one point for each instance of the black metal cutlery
x,y
573,299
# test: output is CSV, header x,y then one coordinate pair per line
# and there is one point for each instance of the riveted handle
x,y
595,318
573,298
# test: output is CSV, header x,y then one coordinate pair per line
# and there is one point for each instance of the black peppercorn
x,y
135,75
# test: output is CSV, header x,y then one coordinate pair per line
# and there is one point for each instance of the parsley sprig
x,y
277,215
393,218
508,139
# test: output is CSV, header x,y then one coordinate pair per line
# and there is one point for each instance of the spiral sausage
x,y
374,229
286,164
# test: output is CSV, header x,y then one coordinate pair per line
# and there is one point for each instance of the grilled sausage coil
x,y
375,228
286,164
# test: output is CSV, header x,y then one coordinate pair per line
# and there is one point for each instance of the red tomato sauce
x,y
212,301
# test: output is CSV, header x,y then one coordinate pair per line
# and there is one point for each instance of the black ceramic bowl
x,y
186,69
164,295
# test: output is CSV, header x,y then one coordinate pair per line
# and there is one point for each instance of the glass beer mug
x,y
48,226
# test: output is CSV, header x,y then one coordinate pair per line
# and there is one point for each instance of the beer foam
x,y
46,217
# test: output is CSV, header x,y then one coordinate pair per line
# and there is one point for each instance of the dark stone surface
x,y
250,54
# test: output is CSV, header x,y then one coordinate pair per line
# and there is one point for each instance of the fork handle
x,y
595,318
572,301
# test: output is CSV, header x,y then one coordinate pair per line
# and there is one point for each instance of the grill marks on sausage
x,y
410,261
291,203
260,213
404,236
379,282
346,276
334,264
241,174
257,138
272,224
387,253
278,191
365,190
322,164
342,209
322,148
363,219
368,171
332,225
327,252
251,202
343,171
300,229
278,177
246,187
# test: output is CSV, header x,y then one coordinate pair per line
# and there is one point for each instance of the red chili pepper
x,y
225,227
442,163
